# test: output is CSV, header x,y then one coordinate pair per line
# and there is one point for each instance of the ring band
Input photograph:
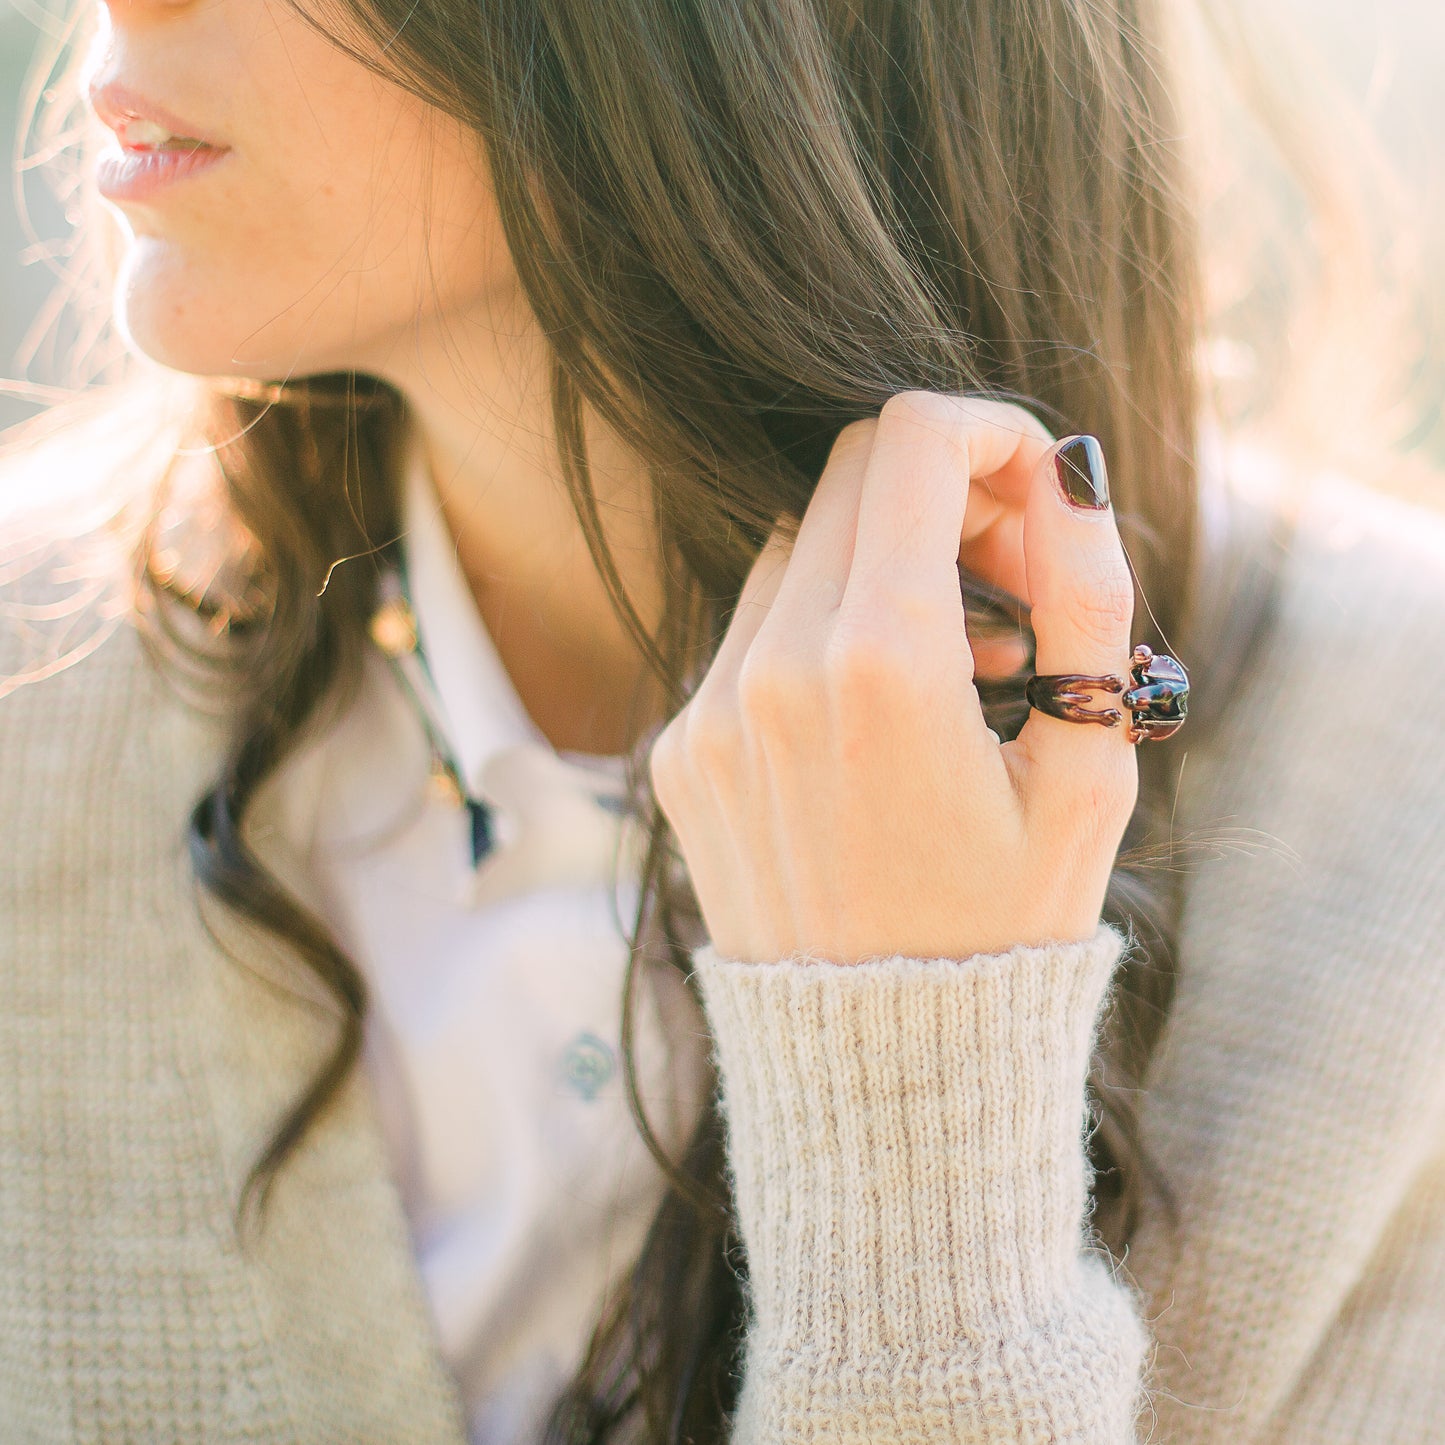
x,y
1156,697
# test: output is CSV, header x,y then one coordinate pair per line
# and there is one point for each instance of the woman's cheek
x,y
281,279
258,288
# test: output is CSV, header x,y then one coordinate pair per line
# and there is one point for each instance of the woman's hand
x,y
832,782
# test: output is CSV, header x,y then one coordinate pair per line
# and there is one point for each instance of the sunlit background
x,y
1385,56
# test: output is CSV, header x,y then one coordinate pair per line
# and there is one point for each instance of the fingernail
x,y
1083,479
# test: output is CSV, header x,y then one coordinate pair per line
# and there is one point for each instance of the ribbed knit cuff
x,y
906,1139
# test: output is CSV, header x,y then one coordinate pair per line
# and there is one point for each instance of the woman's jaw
x,y
284,210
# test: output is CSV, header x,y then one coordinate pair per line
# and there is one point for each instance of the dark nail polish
x,y
1083,479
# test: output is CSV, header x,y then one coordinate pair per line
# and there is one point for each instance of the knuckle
x,y
772,691
713,740
911,614
1015,418
918,405
863,667
1005,416
946,416
853,440
699,741
664,764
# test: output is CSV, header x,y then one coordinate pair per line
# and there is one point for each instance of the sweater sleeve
x,y
906,1138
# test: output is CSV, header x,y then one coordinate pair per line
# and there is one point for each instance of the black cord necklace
x,y
394,630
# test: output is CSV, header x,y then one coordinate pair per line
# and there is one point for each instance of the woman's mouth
x,y
141,172
151,151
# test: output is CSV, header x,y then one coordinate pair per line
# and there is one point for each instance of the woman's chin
x,y
208,327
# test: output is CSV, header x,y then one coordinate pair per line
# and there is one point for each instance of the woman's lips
x,y
153,148
138,173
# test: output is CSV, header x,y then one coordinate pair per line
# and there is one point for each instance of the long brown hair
x,y
743,224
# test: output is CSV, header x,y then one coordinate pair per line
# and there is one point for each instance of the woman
x,y
618,413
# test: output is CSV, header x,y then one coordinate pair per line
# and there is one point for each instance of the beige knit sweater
x,y
906,1136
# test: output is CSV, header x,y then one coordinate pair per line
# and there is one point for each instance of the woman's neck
x,y
486,422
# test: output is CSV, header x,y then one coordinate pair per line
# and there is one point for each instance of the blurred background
x,y
1377,68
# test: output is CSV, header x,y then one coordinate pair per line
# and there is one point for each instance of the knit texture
x,y
906,1137
887,1149
1297,1102
142,1067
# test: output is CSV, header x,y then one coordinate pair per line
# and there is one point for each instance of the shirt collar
x,y
479,708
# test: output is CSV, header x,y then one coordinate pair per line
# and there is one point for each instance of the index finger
x,y
915,511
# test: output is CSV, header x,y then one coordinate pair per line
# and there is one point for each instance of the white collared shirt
x,y
496,993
